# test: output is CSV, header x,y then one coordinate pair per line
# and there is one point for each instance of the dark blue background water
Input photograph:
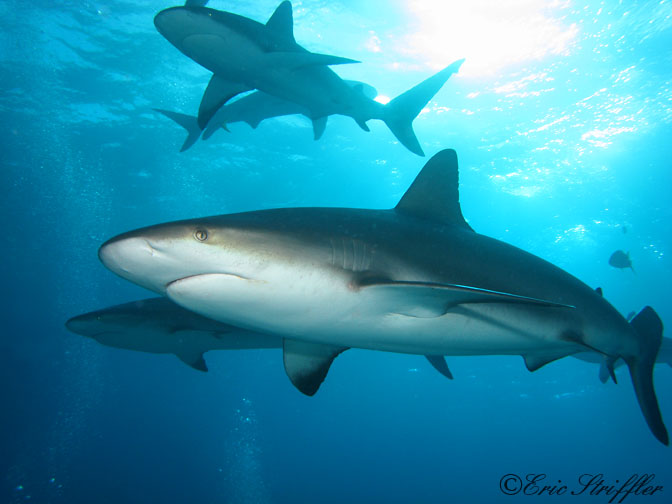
x,y
562,120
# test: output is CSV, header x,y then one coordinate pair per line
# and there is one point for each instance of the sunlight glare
x,y
490,35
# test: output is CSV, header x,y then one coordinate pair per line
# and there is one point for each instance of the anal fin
x,y
193,359
439,363
604,372
609,362
307,363
535,361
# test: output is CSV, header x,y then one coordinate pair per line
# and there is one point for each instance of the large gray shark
x,y
244,55
157,325
413,279
253,109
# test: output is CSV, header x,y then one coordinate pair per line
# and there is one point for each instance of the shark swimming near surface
x,y
245,55
412,279
252,109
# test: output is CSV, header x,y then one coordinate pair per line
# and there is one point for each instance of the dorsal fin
x,y
282,21
434,193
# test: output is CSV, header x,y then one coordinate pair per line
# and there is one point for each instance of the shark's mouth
x,y
213,295
200,276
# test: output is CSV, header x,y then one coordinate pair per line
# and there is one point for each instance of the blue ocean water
x,y
562,120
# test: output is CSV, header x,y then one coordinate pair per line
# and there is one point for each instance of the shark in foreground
x,y
244,55
253,109
413,279
157,325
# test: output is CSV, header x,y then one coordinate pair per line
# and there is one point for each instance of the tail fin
x,y
649,329
401,111
188,122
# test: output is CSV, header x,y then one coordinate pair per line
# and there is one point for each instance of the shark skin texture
x,y
246,55
412,279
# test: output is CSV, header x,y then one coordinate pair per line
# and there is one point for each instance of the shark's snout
x,y
126,255
73,325
82,325
133,258
177,23
168,21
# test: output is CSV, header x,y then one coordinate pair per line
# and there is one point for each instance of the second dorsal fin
x,y
434,193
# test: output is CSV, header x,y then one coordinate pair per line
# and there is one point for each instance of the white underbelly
x,y
484,329
365,319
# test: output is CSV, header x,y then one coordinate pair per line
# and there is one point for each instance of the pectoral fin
x,y
218,92
439,363
428,300
318,127
193,359
307,364
296,60
362,124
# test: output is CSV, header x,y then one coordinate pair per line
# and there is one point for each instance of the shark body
x,y
413,279
252,109
244,55
157,325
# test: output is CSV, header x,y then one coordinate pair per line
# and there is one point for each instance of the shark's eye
x,y
201,235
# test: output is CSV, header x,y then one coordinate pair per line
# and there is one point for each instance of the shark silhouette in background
x,y
252,109
246,55
159,326
412,279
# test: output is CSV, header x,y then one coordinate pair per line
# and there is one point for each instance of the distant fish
x,y
196,3
624,228
621,260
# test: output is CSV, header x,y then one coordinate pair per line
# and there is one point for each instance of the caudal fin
x,y
400,112
649,329
189,123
